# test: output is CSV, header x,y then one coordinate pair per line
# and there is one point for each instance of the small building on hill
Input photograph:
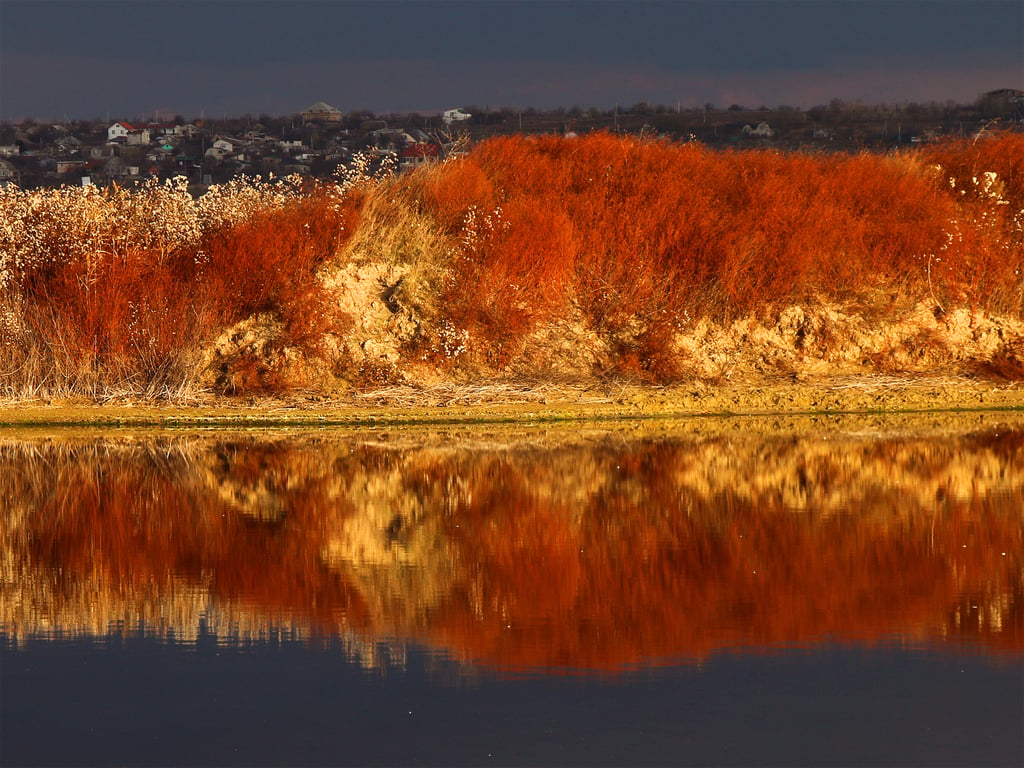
x,y
1005,102
321,112
7,172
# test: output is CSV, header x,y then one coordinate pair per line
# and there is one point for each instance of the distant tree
x,y
355,119
319,167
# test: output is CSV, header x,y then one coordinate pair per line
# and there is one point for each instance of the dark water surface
x,y
711,592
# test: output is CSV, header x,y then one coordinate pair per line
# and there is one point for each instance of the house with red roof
x,y
119,130
417,154
122,132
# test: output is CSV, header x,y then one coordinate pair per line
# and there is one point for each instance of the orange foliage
x,y
124,313
643,235
115,314
269,263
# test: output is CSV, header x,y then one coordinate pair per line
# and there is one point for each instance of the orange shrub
x,y
103,303
451,194
642,235
269,264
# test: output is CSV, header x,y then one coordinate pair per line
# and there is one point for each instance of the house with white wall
x,y
128,134
450,116
119,130
763,129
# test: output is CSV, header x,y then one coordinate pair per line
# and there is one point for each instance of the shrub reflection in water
x,y
520,550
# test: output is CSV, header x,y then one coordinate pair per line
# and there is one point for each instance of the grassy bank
x,y
940,400
592,263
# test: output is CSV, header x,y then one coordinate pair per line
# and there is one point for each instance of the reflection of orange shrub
x,y
632,586
641,566
669,573
135,522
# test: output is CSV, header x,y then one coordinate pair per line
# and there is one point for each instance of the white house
x,y
119,131
128,132
450,116
763,129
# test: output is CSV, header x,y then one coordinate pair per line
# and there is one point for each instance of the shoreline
x,y
525,402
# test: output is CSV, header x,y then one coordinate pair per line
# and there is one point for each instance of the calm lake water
x,y
727,592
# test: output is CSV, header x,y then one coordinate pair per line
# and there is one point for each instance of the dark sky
x,y
96,58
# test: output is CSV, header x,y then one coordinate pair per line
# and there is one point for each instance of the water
x,y
749,592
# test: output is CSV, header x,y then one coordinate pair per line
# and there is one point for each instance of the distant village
x,y
319,140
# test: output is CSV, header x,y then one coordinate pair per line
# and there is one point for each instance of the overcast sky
x,y
118,59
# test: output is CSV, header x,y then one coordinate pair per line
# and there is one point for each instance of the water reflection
x,y
525,550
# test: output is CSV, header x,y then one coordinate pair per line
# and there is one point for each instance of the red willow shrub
x,y
111,320
269,264
643,235
105,311
985,179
